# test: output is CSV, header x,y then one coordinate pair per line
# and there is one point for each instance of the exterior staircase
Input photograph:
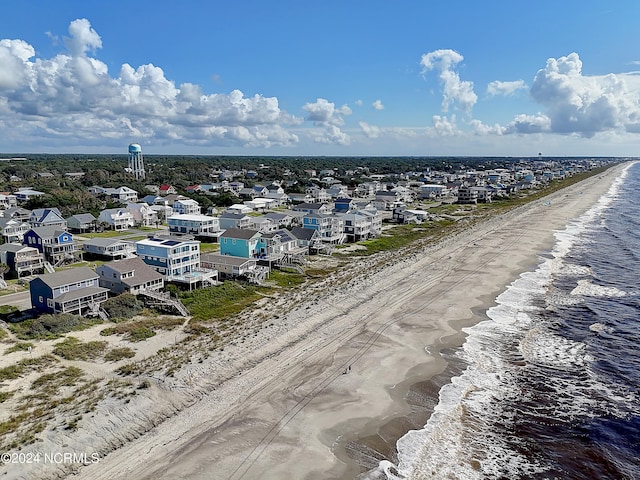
x,y
164,299
49,268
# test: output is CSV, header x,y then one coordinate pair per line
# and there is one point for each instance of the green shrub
x,y
73,349
123,306
51,326
118,354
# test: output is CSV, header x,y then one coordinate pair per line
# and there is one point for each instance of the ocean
x,y
549,385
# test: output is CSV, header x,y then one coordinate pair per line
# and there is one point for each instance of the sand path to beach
x,y
344,365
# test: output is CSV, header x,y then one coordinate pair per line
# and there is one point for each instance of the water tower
x,y
136,165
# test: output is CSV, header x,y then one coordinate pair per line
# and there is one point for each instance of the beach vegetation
x,y
73,349
221,301
19,347
124,306
51,326
117,354
286,279
143,328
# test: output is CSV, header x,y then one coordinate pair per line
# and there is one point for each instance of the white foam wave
x,y
600,328
457,440
587,289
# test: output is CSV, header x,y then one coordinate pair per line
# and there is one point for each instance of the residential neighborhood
x,y
268,225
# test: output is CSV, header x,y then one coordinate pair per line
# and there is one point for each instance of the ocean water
x,y
550,385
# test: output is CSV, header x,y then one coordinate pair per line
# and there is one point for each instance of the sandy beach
x,y
286,402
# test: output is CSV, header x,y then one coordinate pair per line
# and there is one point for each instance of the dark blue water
x,y
552,383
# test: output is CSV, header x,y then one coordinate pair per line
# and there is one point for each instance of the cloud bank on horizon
x,y
72,99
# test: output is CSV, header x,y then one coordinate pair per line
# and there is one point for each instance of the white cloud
x,y
358,103
444,127
455,90
83,38
14,63
479,128
377,105
324,113
505,88
538,123
331,134
586,105
71,96
370,131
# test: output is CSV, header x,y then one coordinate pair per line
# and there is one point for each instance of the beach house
x,y
21,259
75,290
243,243
130,275
55,244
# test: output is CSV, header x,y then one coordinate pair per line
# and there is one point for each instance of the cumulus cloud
x,y
479,128
83,38
377,105
444,126
370,131
455,91
358,103
586,105
505,88
324,113
72,96
332,135
538,123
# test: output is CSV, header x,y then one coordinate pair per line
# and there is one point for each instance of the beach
x,y
338,366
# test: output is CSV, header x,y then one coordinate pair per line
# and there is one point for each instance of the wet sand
x,y
330,397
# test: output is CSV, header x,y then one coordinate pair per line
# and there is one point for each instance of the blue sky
x,y
321,78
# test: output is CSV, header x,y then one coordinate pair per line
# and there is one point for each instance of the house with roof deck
x,y
55,244
130,275
7,200
143,215
75,290
235,220
186,206
232,267
194,224
117,218
330,227
21,259
123,194
13,229
81,223
177,258
356,227
111,248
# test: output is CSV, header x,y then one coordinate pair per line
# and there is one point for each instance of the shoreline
x,y
292,401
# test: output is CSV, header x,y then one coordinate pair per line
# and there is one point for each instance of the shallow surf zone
x,y
524,385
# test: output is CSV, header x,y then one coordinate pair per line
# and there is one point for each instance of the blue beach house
x,y
243,243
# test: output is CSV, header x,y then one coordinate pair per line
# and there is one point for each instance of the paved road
x,y
22,300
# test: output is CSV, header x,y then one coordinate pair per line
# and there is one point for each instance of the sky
x,y
321,78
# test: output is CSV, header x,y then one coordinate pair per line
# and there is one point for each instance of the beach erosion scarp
x,y
297,399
